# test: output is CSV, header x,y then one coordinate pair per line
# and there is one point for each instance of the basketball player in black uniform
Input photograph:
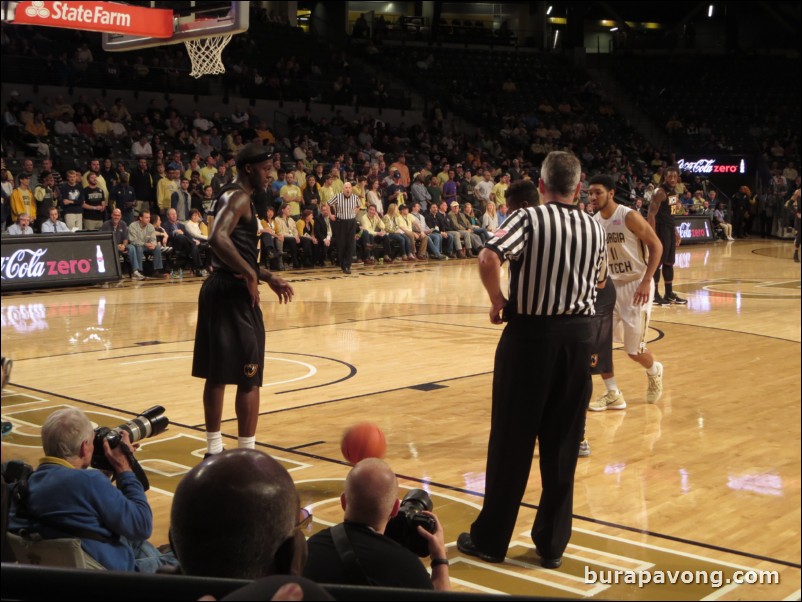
x,y
660,218
230,335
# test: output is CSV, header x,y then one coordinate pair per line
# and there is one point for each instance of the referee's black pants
x,y
541,388
344,231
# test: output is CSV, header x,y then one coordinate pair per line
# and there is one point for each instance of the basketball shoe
x,y
673,299
655,389
584,449
612,400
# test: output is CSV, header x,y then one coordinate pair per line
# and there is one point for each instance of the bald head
x,y
232,514
371,494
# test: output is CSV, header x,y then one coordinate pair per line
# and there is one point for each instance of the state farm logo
x,y
37,9
26,263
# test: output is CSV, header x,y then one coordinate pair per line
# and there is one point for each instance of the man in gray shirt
x,y
141,240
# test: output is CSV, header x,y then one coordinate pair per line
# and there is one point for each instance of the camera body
x,y
403,527
149,423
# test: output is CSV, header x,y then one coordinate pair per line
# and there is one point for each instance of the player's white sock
x,y
246,442
610,384
214,442
653,370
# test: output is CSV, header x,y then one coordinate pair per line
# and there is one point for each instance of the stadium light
x,y
548,10
710,11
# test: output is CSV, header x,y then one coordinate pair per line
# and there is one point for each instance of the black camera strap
x,y
353,567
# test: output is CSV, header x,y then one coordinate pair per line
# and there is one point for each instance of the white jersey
x,y
626,254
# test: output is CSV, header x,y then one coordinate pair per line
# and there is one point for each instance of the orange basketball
x,y
363,440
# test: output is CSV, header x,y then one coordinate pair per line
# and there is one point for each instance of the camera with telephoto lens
x,y
403,527
149,423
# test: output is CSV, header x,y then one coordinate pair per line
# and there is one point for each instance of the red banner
x,y
108,17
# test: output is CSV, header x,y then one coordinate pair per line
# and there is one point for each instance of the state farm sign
x,y
95,16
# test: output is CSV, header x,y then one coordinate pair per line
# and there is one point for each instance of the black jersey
x,y
244,237
666,210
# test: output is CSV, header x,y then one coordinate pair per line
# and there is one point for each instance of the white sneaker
x,y
655,390
137,275
611,400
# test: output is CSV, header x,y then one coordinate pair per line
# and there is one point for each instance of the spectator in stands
x,y
400,166
475,224
451,188
374,233
392,221
166,186
141,149
94,167
374,195
119,229
46,196
64,126
53,225
324,234
272,247
95,203
287,233
6,188
418,192
411,228
72,201
248,526
142,241
490,218
498,194
36,134
435,241
22,199
720,221
21,226
439,222
370,499
183,244
395,193
123,197
462,228
113,523
308,240
181,200
291,194
484,189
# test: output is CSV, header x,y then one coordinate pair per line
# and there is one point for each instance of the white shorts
x,y
630,321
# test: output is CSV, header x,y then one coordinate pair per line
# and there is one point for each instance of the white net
x,y
206,55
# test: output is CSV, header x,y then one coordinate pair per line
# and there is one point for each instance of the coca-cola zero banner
x,y
47,261
694,228
725,172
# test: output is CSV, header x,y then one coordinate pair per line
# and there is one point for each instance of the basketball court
x,y
707,479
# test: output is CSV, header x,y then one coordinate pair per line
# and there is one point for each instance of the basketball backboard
x,y
191,21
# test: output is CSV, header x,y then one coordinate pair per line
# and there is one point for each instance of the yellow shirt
x,y
207,174
327,193
499,194
22,202
337,185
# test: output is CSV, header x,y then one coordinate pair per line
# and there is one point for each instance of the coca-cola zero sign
x,y
59,260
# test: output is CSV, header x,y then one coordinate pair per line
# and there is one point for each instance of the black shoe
x,y
674,300
346,270
466,546
796,257
549,563
658,300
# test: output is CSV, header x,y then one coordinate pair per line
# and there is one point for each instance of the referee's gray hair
x,y
64,431
560,173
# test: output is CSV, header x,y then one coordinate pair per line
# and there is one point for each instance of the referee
x,y
541,381
343,223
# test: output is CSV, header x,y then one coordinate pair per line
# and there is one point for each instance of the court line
x,y
429,482
765,336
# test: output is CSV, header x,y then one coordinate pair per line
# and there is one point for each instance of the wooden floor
x,y
706,479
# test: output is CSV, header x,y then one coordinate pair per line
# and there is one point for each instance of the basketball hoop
x,y
206,55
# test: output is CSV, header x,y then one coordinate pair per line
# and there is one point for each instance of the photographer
x,y
370,500
63,499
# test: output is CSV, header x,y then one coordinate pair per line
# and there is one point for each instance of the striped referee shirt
x,y
345,207
557,256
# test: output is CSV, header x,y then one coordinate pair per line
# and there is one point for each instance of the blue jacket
x,y
86,499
